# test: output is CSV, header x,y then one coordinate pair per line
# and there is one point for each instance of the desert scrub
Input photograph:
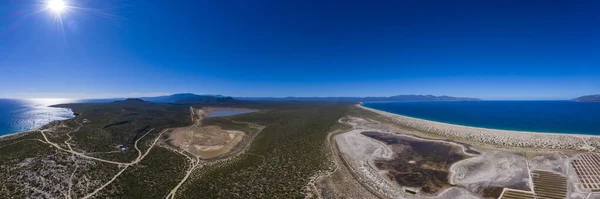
x,y
290,149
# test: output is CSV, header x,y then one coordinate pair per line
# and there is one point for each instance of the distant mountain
x,y
132,101
364,99
194,98
588,98
187,98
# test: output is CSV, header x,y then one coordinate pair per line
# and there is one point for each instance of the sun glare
x,y
50,101
56,6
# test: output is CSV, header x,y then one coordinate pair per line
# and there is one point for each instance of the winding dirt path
x,y
339,158
69,135
320,176
77,153
106,184
71,179
125,165
138,159
195,161
193,166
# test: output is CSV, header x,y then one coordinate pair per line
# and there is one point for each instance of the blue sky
x,y
487,49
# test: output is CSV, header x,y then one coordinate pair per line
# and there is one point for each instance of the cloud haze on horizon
x,y
539,50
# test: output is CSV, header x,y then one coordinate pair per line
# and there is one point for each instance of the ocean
x,y
18,115
535,116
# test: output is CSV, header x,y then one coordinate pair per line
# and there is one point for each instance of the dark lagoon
x,y
536,116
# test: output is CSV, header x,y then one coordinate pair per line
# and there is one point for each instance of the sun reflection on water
x,y
18,115
49,101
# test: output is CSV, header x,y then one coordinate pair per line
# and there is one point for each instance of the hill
x,y
187,98
588,98
364,99
175,98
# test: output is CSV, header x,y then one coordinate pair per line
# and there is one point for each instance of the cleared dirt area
x,y
205,142
339,182
492,169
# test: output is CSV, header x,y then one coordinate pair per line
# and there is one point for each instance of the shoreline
x,y
495,137
22,133
487,128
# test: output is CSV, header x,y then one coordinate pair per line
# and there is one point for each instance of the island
x,y
396,98
588,98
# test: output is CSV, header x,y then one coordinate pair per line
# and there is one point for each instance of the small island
x,y
588,98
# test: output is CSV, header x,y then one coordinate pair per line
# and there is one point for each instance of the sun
x,y
56,6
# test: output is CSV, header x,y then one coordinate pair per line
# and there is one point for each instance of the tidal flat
x,y
418,163
394,156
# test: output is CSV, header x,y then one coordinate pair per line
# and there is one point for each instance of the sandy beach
x,y
502,138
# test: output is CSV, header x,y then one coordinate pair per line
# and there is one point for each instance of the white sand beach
x,y
502,138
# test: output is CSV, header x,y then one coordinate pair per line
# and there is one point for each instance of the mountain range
x,y
195,98
188,97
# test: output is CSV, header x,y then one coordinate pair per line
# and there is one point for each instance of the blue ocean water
x,y
537,116
24,115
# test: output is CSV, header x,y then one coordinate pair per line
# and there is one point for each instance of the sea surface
x,y
535,116
23,115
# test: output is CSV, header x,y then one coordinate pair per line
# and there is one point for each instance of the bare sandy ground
x,y
205,142
500,138
337,181
491,169
359,152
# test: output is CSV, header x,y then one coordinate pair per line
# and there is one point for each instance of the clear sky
x,y
485,48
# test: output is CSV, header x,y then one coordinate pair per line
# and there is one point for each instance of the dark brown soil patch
x,y
492,192
418,163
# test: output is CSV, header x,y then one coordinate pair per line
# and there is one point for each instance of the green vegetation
x,y
277,164
108,125
153,177
281,159
31,167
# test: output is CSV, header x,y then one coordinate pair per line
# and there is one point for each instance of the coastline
x,y
495,137
22,133
543,116
15,135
